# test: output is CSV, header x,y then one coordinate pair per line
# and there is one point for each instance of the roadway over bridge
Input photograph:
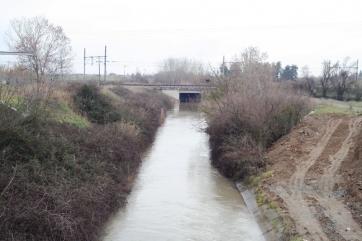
x,y
183,93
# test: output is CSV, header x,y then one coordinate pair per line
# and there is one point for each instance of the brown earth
x,y
317,177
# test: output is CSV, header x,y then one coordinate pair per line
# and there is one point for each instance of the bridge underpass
x,y
183,93
189,97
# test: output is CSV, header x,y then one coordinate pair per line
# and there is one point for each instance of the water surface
x,y
178,195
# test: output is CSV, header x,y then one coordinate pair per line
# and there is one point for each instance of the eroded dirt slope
x,y
317,177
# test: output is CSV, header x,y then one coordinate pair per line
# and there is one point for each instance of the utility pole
x,y
61,68
124,70
357,71
223,66
105,64
99,70
344,67
99,64
84,67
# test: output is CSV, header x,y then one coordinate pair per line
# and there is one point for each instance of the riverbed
x,y
177,195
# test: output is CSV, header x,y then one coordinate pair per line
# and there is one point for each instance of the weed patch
x,y
329,109
281,225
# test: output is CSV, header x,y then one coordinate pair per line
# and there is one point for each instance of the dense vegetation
x,y
247,113
338,81
60,180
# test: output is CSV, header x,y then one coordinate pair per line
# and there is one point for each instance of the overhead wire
x,y
234,29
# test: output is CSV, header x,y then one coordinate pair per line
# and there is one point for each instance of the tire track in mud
x,y
334,210
313,205
292,193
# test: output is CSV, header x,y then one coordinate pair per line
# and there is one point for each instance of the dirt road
x,y
316,177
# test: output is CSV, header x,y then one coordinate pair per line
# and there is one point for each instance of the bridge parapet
x,y
186,87
175,87
183,93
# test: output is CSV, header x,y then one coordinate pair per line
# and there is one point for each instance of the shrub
x,y
62,182
247,113
242,126
61,188
96,106
145,109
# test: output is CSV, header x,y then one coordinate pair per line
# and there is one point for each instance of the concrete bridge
x,y
183,93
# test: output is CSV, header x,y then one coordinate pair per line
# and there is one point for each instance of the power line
x,y
203,30
125,61
236,29
92,58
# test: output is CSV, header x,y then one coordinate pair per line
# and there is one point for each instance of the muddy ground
x,y
317,177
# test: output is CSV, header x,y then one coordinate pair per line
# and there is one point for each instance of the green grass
x,y
67,115
279,224
254,182
321,109
296,239
357,104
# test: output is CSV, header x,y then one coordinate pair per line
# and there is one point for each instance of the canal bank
x,y
178,195
266,218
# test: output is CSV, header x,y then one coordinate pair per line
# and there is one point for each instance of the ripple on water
x,y
179,196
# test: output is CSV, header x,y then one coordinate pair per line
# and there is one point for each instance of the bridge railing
x,y
175,87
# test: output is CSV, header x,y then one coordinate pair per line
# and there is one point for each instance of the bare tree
x,y
251,67
309,81
326,79
345,78
250,78
2,74
178,70
52,53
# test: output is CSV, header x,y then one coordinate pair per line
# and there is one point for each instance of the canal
x,y
178,195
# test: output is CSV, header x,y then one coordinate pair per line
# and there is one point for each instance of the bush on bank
x,y
245,126
62,182
247,113
96,106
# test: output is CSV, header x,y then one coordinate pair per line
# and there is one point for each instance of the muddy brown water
x,y
178,195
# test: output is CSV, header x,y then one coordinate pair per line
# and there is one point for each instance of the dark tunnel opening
x,y
190,97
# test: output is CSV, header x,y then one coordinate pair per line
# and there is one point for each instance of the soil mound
x,y
317,177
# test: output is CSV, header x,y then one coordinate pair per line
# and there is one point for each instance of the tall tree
x,y
290,72
344,78
52,53
224,70
178,70
278,71
254,68
308,81
294,70
328,73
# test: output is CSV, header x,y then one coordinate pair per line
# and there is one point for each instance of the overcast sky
x,y
141,33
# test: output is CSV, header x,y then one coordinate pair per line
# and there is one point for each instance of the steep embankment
x,y
62,175
317,176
